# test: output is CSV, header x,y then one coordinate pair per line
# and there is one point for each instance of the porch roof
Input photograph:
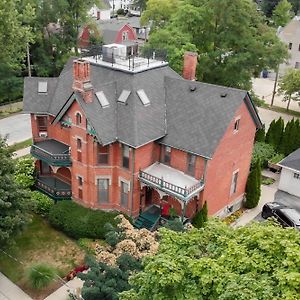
x,y
53,146
171,181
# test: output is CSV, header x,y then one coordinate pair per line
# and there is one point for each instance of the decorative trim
x,y
121,179
103,177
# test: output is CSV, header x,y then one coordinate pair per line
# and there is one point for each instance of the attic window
x,y
124,96
43,87
143,97
102,99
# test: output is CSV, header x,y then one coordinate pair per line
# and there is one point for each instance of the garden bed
x,y
40,243
267,180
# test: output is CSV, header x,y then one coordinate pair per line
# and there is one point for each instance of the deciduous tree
x,y
282,13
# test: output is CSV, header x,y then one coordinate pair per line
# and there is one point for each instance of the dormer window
x,y
42,87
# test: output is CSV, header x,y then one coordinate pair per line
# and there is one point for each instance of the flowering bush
x,y
24,173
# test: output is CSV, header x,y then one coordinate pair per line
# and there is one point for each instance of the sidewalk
x,y
21,152
10,291
267,195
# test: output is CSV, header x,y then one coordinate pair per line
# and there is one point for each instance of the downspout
x,y
132,180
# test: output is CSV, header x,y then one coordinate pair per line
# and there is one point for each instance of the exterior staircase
x,y
148,219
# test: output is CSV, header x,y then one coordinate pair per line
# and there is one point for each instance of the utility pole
x,y
28,60
275,85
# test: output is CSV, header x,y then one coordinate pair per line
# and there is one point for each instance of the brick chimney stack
x,y
189,65
81,79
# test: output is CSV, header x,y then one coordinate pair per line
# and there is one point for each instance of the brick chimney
x,y
81,79
189,65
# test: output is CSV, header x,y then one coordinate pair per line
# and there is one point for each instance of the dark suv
x,y
287,217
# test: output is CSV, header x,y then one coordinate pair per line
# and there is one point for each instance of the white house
x,y
290,174
101,11
290,35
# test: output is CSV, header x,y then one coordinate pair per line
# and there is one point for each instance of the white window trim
x,y
103,177
233,174
121,179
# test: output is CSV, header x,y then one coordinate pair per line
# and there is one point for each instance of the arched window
x,y
78,119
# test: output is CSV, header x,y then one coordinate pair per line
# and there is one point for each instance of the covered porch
x,y
169,184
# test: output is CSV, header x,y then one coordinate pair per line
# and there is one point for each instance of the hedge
x,y
41,203
79,222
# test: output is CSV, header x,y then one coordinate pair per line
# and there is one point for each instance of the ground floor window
x,y
234,182
124,194
103,190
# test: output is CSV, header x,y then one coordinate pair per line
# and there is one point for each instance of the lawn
x,y
40,243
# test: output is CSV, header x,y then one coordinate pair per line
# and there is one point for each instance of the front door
x,y
148,198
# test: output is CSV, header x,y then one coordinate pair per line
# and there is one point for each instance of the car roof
x,y
275,205
292,214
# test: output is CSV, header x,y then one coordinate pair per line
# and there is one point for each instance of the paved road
x,y
17,127
9,291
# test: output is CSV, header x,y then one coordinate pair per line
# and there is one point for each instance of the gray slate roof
x,y
193,121
292,161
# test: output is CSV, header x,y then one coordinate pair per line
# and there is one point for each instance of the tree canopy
x,y
259,261
231,38
282,13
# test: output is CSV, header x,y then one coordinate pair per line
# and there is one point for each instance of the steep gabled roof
x,y
292,161
198,114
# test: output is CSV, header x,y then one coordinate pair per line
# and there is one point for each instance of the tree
x,y
231,38
104,281
260,134
140,4
282,13
253,189
201,217
268,6
258,261
14,202
289,86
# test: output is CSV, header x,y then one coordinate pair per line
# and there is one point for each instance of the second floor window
x,y
41,123
79,144
166,154
191,163
234,180
78,119
103,154
124,35
290,46
236,125
125,156
103,190
124,194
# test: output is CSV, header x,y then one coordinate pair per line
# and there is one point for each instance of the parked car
x,y
286,216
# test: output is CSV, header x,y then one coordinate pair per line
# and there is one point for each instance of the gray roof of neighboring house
x,y
292,161
194,121
198,123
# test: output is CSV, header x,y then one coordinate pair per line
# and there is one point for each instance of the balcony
x,y
54,187
171,181
52,152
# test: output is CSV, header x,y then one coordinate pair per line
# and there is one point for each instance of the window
x,y
102,99
78,119
124,194
299,47
236,125
297,175
234,182
124,96
143,97
290,46
103,193
41,123
297,65
125,156
79,144
103,154
191,162
124,35
43,87
80,181
166,154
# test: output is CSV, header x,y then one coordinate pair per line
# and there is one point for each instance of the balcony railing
x,y
185,192
55,159
54,187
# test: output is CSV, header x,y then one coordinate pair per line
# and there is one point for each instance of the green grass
x,y
267,180
21,145
290,112
39,243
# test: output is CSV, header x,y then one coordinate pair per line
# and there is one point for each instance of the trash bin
x,y
265,73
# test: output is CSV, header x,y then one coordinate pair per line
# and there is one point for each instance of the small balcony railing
x,y
185,192
54,187
55,159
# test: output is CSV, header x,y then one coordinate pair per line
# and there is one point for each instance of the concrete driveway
x,y
287,199
16,127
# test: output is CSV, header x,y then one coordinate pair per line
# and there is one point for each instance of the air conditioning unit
x,y
43,134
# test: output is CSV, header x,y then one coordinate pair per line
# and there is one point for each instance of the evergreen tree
x,y
270,135
278,131
253,189
201,217
260,134
13,199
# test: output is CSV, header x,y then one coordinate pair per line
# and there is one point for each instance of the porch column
x,y
183,211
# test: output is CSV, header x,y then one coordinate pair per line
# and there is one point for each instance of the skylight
x,y
102,99
42,87
143,97
124,96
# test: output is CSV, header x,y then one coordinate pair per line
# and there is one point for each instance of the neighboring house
x,y
127,135
101,11
290,35
290,174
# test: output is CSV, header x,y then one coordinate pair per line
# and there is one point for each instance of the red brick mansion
x,y
124,135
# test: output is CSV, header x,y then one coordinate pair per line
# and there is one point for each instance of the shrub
x,y
263,152
277,158
175,225
41,203
80,222
24,174
39,276
253,189
201,217
121,12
